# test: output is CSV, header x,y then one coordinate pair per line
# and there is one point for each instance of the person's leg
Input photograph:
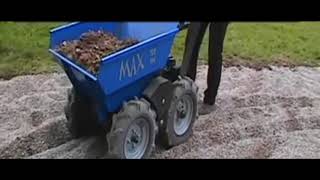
x,y
216,44
196,32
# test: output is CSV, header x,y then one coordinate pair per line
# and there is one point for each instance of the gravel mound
x,y
261,114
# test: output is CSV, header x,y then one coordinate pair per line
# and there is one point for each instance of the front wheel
x,y
177,128
133,131
81,120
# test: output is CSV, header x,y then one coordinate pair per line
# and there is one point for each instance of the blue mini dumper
x,y
138,99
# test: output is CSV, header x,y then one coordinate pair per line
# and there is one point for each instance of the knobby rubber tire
x,y
167,136
121,122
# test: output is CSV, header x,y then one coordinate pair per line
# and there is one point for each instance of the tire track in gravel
x,y
261,114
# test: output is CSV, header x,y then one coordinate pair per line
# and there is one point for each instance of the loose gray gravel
x,y
261,114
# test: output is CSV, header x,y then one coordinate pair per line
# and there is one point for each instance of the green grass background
x,y
24,45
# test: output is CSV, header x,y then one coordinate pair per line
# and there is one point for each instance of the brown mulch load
x,y
92,47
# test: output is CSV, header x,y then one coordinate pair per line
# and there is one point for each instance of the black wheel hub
x,y
181,110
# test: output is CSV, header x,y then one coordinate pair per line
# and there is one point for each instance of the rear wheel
x,y
177,128
133,131
81,120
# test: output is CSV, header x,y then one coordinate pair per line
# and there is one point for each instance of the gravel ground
x,y
261,114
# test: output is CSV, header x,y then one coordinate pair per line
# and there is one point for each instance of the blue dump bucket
x,y
124,74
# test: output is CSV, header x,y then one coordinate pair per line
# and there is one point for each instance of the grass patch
x,y
267,43
24,45
24,49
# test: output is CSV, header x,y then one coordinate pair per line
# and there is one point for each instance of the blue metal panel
x,y
145,30
116,100
134,63
67,63
124,74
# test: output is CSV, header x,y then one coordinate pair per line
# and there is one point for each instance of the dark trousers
x,y
196,32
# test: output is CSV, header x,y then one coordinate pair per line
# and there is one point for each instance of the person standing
x,y
196,32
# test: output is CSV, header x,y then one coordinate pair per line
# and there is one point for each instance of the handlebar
x,y
183,25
